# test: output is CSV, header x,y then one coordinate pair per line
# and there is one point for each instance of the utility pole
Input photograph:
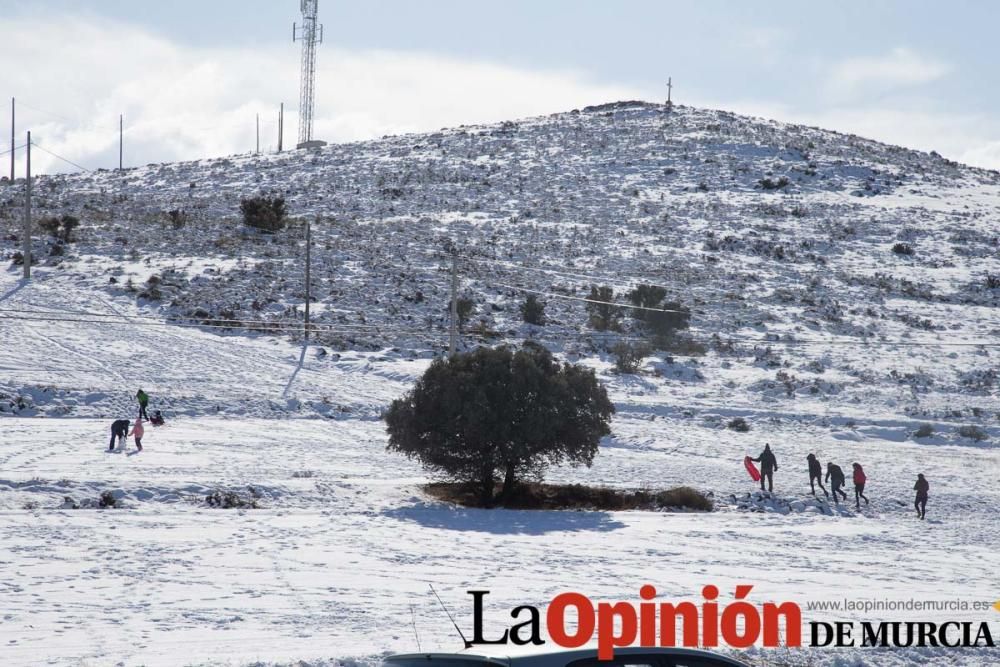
x,y
257,152
121,141
281,124
453,329
26,241
12,151
308,266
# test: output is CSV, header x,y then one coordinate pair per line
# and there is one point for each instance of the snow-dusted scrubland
x,y
779,238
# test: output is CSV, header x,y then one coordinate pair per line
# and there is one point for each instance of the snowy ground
x,y
862,354
345,543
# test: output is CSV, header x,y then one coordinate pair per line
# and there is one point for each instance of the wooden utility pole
x,y
308,281
121,141
281,125
26,241
12,151
453,329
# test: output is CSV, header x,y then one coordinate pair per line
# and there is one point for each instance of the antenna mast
x,y
310,33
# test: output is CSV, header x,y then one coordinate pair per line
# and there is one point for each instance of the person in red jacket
x,y
859,485
137,431
921,487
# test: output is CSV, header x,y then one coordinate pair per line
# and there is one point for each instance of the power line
x,y
141,319
22,103
345,329
16,148
78,166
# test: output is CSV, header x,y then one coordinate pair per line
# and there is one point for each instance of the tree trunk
x,y
486,484
509,481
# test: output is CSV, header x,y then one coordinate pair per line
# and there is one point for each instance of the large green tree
x,y
497,414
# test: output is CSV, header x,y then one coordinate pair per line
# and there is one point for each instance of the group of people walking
x,y
120,427
836,478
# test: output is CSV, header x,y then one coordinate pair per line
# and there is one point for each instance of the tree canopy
x,y
497,414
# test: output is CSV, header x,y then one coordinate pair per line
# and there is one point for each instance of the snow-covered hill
x,y
779,238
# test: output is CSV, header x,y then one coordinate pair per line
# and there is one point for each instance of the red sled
x,y
752,469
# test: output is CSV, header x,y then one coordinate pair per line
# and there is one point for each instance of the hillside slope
x,y
805,323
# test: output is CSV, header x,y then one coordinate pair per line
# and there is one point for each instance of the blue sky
x,y
921,74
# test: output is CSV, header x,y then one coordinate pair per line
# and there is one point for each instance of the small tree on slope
x,y
496,414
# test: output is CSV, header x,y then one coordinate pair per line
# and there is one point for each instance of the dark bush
x,y
668,318
604,314
973,432
464,307
685,497
739,425
178,218
534,496
902,249
663,324
646,296
628,357
533,311
686,347
107,499
924,431
61,227
495,414
151,293
264,213
50,225
232,500
69,223
992,282
768,184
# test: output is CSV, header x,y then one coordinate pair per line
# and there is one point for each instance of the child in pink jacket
x,y
137,431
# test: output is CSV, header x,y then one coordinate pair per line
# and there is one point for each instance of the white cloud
x,y
182,102
899,68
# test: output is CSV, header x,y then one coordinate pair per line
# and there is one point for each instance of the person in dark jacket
x,y
816,475
921,487
768,466
143,403
157,418
835,475
859,485
119,429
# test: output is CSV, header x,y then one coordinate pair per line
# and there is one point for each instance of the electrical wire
x,y
374,329
16,148
70,162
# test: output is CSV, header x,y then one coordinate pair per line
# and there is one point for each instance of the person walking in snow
x,y
119,429
816,475
143,403
859,485
768,466
835,475
137,431
921,487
